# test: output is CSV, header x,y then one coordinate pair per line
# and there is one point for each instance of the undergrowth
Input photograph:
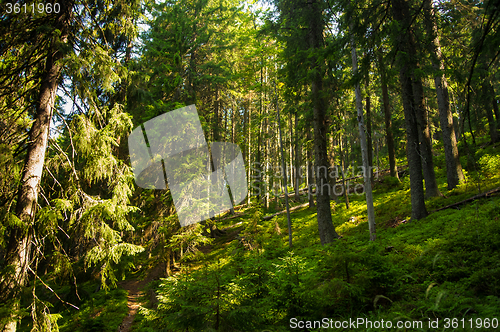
x,y
441,267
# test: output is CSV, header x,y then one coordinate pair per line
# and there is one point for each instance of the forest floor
x,y
134,287
135,292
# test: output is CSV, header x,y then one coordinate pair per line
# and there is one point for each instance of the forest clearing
x,y
230,165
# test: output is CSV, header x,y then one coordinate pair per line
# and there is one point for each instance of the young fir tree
x,y
57,36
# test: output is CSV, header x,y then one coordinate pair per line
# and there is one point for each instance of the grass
x,y
98,310
101,311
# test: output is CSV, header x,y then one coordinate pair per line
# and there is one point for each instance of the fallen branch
x,y
284,211
482,195
239,207
236,215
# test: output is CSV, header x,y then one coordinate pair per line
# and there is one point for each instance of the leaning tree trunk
x,y
454,172
401,13
388,118
18,253
364,148
326,229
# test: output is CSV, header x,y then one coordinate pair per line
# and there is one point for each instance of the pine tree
x,y
453,166
401,14
19,248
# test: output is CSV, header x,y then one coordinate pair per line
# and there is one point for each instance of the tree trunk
x,y
490,99
168,258
491,124
454,172
326,229
268,182
495,105
388,118
364,147
283,165
369,141
431,188
233,121
342,166
401,13
18,252
216,117
226,129
331,161
292,171
249,156
309,166
298,173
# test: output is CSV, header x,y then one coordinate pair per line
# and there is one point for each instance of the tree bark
x,y
283,165
364,147
342,166
331,161
310,180
298,173
248,157
216,117
388,118
401,13
489,103
292,170
18,254
431,188
454,172
326,229
369,141
268,178
495,105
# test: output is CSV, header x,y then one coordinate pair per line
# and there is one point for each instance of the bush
x,y
490,165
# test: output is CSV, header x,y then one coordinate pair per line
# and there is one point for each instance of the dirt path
x,y
134,287
134,290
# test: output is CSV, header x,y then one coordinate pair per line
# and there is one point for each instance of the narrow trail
x,y
134,287
134,290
